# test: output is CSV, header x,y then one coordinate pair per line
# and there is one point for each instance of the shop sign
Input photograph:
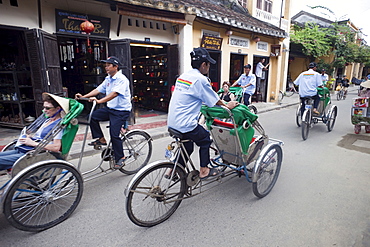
x,y
69,22
239,42
210,42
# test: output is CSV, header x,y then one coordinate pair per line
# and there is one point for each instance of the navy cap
x,y
312,65
248,66
113,60
201,54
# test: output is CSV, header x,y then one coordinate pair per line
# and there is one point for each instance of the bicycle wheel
x,y
267,171
331,119
298,118
153,198
43,196
253,109
281,96
137,145
339,95
289,93
306,122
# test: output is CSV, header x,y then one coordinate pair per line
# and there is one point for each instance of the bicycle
x,y
341,94
308,119
157,190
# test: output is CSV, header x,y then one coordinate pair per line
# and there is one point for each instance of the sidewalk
x,y
155,123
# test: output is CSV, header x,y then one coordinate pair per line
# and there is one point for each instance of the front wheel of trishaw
x,y
306,122
43,195
331,118
267,170
153,196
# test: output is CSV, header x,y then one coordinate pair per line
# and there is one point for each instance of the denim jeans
x,y
8,158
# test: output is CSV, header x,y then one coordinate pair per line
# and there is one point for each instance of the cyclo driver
x,y
191,90
308,81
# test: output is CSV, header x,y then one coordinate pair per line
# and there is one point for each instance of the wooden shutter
x,y
43,55
121,49
172,64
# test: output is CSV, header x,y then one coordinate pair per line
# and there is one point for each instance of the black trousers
x,y
246,98
116,120
201,137
316,101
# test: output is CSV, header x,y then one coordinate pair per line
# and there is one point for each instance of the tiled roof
x,y
227,12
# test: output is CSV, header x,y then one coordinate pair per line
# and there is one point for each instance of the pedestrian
x,y
116,87
259,69
192,89
308,81
345,84
248,82
365,92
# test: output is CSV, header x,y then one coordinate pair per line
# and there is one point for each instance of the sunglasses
x,y
48,108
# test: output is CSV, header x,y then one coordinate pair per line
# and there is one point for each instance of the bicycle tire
x,y
306,122
280,96
253,109
339,95
146,202
43,196
289,93
267,171
138,146
331,119
298,118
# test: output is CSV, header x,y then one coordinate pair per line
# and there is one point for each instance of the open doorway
x,y
261,89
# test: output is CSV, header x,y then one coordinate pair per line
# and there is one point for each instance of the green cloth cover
x,y
241,114
324,94
237,91
70,130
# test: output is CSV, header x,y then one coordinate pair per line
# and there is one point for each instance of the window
x,y
262,46
210,33
243,3
238,42
259,4
14,3
268,6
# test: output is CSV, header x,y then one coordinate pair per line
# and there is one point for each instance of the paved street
x,y
320,199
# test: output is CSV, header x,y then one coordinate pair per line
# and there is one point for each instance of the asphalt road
x,y
321,198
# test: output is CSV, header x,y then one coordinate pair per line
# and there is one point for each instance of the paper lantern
x,y
87,27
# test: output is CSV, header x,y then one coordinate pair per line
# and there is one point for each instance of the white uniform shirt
x,y
245,80
259,68
121,85
308,81
191,90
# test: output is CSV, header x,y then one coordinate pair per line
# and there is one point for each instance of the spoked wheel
x,y
138,147
267,170
253,109
306,122
331,118
339,95
43,196
155,194
298,118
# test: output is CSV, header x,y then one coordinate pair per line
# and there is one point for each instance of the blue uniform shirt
x,y
308,81
191,90
121,85
245,80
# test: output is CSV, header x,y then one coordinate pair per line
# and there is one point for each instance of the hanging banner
x,y
210,42
69,22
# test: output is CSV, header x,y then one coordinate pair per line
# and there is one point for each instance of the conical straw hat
x,y
63,102
365,84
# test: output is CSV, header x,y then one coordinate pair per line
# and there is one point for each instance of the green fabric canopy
x,y
241,114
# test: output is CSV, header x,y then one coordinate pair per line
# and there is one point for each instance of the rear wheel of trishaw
x,y
267,170
331,118
298,118
306,122
43,196
154,197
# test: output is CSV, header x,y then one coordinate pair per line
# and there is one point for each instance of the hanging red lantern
x,y
88,28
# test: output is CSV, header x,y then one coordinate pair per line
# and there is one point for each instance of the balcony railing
x,y
272,19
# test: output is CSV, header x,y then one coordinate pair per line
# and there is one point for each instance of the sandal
x,y
213,172
119,164
96,143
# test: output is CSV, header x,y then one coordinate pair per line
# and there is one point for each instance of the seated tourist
x,y
53,106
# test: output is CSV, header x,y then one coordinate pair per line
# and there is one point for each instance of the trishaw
x,y
157,190
328,113
43,188
360,112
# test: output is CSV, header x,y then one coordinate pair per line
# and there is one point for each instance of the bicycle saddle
x,y
307,97
175,133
